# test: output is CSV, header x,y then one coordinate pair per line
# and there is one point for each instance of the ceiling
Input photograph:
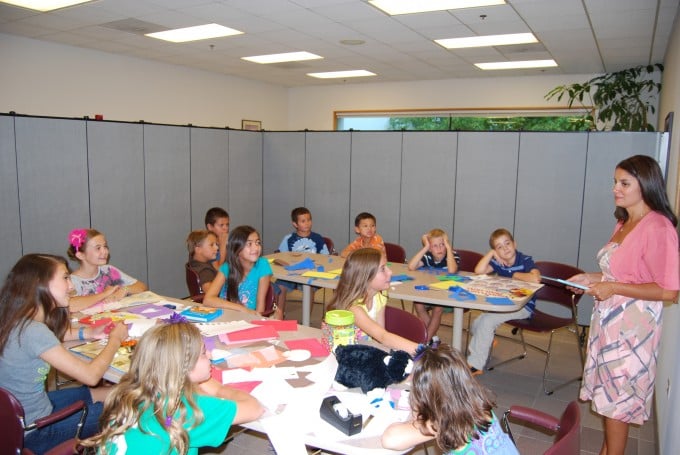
x,y
582,36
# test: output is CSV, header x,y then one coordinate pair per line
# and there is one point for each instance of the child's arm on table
x,y
212,298
379,334
247,406
415,261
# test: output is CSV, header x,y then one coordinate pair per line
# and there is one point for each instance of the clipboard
x,y
565,282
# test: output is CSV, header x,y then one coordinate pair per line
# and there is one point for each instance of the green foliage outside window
x,y
556,123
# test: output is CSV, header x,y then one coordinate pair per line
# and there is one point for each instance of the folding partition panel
x,y
53,182
245,178
327,189
283,186
550,194
166,162
10,226
428,186
605,150
486,182
117,202
375,181
209,162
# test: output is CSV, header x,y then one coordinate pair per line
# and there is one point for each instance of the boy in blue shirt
x,y
302,240
504,260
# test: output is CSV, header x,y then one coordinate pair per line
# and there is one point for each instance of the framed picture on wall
x,y
251,125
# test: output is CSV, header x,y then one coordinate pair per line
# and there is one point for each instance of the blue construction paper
x,y
306,263
499,300
320,269
401,278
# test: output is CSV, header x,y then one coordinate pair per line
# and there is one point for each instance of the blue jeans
x,y
40,441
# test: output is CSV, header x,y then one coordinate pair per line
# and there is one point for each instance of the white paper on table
x,y
273,392
235,375
217,354
137,328
209,329
262,374
284,434
131,300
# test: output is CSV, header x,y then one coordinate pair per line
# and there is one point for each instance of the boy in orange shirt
x,y
364,226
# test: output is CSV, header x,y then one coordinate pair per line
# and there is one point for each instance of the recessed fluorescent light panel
x,y
279,58
198,32
44,5
489,40
341,74
396,7
516,65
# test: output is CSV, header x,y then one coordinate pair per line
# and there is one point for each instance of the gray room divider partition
x,y
146,186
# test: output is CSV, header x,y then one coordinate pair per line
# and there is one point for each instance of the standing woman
x,y
34,320
639,272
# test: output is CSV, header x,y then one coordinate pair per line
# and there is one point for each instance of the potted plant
x,y
621,100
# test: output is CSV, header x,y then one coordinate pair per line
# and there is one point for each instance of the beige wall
x,y
313,107
668,375
40,78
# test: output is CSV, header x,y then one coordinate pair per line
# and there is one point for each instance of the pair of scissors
x,y
461,294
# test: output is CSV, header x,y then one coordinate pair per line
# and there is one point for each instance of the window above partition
x,y
465,120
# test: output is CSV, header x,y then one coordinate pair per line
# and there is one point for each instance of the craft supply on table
x,y
338,329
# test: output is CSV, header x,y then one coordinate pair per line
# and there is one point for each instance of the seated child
x,y
95,280
217,222
449,406
303,240
503,259
243,280
202,247
167,402
361,289
436,253
365,227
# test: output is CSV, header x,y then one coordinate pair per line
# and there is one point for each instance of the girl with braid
x,y
167,402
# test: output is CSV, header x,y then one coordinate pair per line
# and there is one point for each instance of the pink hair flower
x,y
77,238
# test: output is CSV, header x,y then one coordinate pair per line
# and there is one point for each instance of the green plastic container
x,y
341,327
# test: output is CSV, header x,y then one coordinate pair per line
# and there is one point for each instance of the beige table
x,y
405,290
312,431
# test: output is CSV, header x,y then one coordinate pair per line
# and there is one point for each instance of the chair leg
x,y
512,359
547,360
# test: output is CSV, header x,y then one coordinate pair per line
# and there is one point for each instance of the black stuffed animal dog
x,y
368,367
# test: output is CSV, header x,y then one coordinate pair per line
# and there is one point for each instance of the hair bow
x,y
77,238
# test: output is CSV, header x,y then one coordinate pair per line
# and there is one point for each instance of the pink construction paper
x,y
279,326
312,345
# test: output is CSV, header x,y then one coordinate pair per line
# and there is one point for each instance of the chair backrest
x,y
193,281
11,416
269,301
330,245
555,292
405,324
567,440
395,253
468,260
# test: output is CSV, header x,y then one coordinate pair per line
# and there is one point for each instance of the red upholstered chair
x,y
405,324
269,301
542,322
397,254
567,429
468,260
330,245
14,425
193,284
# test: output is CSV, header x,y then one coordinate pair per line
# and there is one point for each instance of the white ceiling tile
x,y
399,48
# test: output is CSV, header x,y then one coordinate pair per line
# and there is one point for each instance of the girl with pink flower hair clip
x,y
96,281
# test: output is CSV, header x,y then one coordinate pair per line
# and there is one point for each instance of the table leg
x,y
457,335
307,304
